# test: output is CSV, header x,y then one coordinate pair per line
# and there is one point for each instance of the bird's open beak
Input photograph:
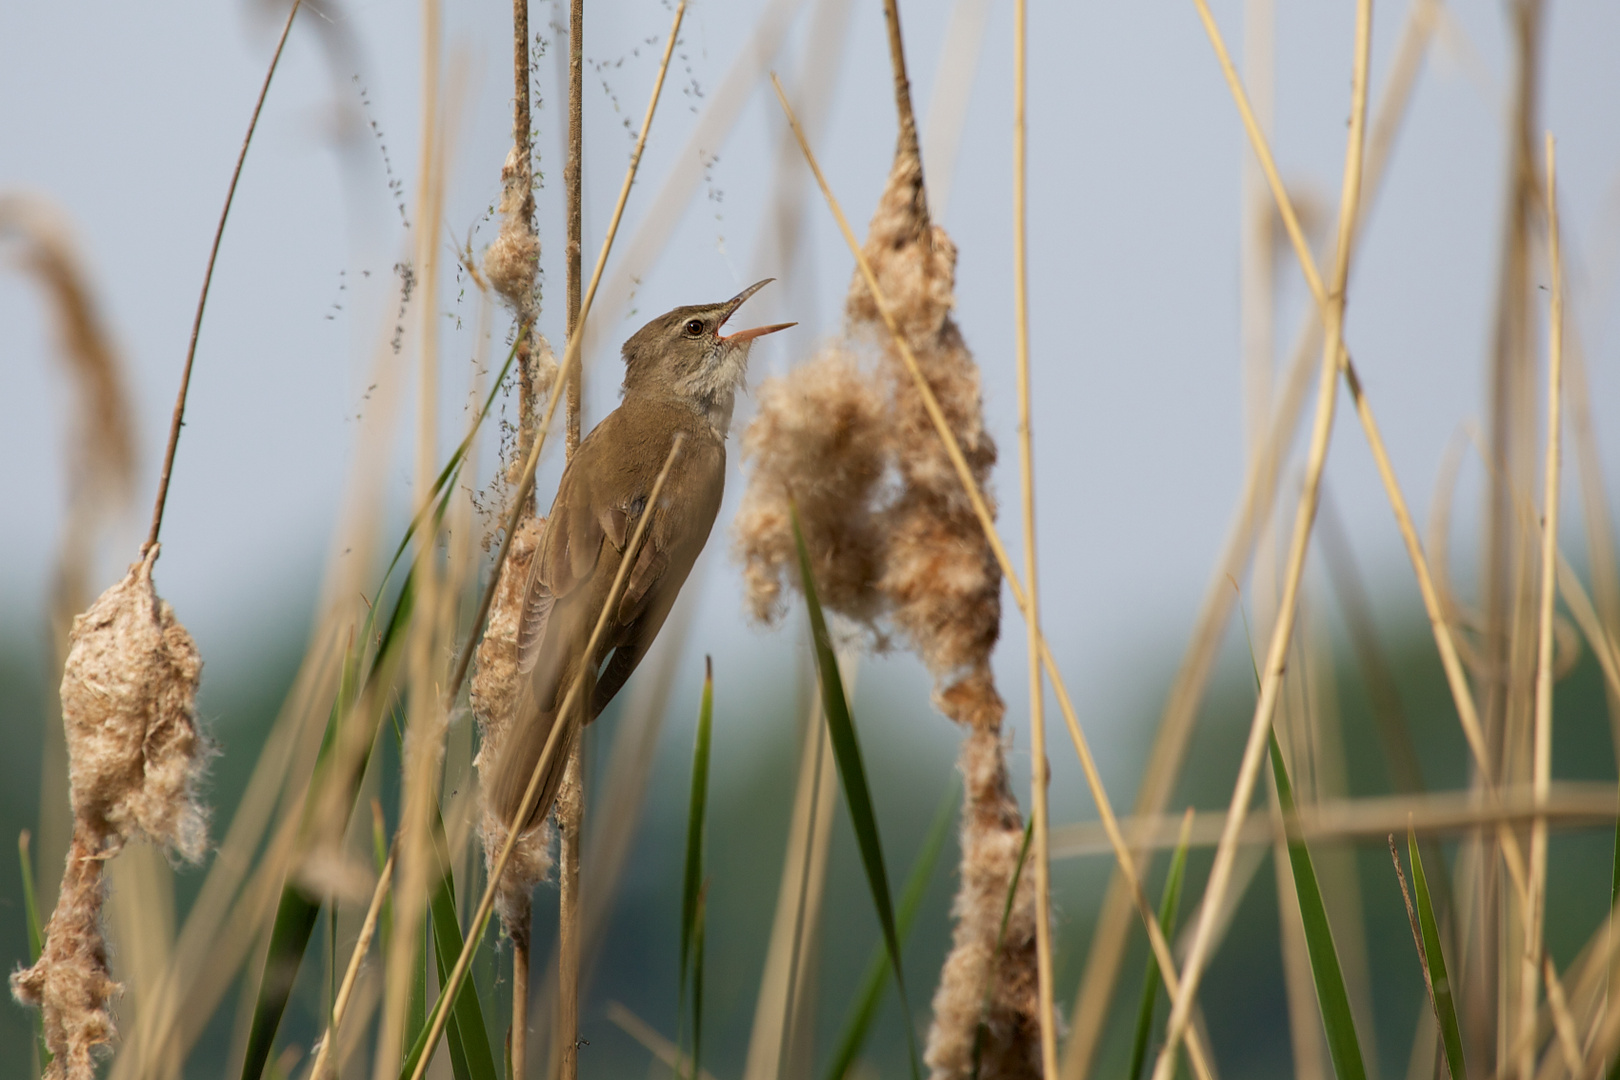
x,y
759,331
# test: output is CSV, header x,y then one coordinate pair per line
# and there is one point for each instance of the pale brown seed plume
x,y
136,757
820,437
495,690
909,553
512,261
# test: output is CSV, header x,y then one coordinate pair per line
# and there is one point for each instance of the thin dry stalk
x,y
1535,917
493,689
570,814
571,185
1157,781
1508,647
1467,714
965,474
208,277
452,983
1570,805
426,715
140,917
1601,642
1563,1024
362,944
798,902
570,809
648,1036
1026,454
1277,653
1600,546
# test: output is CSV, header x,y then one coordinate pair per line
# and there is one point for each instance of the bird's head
x,y
685,353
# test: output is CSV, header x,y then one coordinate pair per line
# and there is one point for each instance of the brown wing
x,y
568,554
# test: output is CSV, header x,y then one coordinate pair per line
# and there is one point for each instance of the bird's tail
x,y
519,764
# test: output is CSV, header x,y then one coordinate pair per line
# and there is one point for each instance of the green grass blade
x,y
1614,875
852,771
1434,958
692,884
1169,902
870,994
700,920
696,811
36,944
470,1055
465,1034
36,936
1338,1022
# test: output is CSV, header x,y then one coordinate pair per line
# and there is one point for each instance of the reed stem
x,y
1039,769
177,420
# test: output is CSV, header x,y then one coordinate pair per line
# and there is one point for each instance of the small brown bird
x,y
681,378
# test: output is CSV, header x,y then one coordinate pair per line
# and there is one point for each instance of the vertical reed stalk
x,y
522,128
1529,977
1039,769
1282,632
1508,650
422,747
571,796
571,182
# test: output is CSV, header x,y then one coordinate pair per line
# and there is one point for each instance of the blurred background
x,y
1150,368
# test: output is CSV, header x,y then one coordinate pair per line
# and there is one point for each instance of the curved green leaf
x,y
1434,959
1338,1022
852,771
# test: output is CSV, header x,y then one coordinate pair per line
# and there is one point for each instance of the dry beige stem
x,y
892,534
494,694
129,708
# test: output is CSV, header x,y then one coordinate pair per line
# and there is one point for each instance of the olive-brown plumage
x,y
681,378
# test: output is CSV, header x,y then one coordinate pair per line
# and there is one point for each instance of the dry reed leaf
x,y
102,444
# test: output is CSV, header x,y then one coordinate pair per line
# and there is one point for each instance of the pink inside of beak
x,y
759,331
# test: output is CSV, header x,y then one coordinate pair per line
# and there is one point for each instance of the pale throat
x,y
712,389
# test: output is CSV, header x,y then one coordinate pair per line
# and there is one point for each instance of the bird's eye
x,y
694,327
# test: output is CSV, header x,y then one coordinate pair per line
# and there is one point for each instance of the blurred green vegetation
x,y
910,753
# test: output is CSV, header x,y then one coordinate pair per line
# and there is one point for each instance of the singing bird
x,y
681,379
